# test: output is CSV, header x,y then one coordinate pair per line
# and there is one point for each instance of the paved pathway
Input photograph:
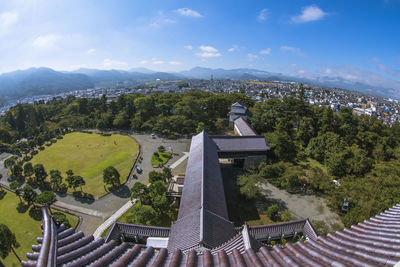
x,y
179,161
82,210
113,218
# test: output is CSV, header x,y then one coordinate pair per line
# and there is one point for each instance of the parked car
x,y
153,136
138,169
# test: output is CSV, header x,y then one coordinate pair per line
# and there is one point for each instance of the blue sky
x,y
353,39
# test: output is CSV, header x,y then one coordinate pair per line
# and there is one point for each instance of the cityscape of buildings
x,y
386,109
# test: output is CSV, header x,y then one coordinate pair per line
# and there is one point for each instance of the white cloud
x,y
354,74
301,71
187,12
159,19
175,63
374,59
46,41
263,14
252,57
208,51
90,51
234,48
389,70
188,47
292,49
266,51
309,13
158,62
143,62
288,48
110,64
7,19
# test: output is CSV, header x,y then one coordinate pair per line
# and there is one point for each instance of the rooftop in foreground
x,y
204,236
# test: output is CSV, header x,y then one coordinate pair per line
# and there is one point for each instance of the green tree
x,y
158,188
55,179
28,169
16,187
141,192
272,212
7,242
46,198
248,185
111,176
282,146
40,173
200,127
167,174
10,161
78,182
16,171
286,216
143,215
160,204
28,194
156,176
70,178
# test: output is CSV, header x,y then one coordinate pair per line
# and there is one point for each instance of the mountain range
x,y
37,81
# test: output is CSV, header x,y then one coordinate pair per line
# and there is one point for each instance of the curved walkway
x,y
95,212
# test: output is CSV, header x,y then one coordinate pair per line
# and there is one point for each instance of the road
x,y
95,212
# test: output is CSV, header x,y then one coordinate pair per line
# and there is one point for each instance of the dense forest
x,y
310,146
169,115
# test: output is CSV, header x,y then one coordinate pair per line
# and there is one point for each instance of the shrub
x,y
272,212
62,219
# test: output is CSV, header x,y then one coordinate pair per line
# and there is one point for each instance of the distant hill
x,y
38,81
35,81
205,73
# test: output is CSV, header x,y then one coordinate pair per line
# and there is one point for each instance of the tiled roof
x,y
243,127
374,242
240,143
203,215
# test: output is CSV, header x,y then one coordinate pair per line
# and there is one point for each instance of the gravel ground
x,y
301,206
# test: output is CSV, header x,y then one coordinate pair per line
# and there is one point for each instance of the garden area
x,y
161,157
88,155
29,219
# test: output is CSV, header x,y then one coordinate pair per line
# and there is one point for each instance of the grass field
x,y
161,160
25,228
88,155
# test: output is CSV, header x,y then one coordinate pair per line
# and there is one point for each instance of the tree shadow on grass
x,y
35,213
3,193
22,207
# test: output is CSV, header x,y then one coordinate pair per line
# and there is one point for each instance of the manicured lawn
x,y
161,160
264,220
88,155
25,228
